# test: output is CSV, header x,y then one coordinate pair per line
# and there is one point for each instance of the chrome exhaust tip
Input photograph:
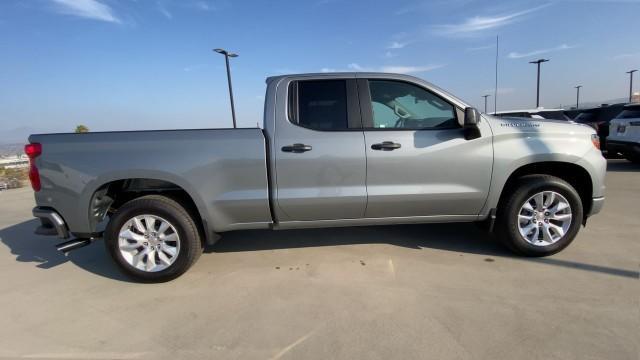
x,y
74,244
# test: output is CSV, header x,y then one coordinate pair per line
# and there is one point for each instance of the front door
x,y
319,152
418,161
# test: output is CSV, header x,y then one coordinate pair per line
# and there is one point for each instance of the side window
x,y
319,105
397,104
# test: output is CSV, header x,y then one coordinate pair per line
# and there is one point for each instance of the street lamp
x,y
227,55
538,62
485,102
630,72
577,95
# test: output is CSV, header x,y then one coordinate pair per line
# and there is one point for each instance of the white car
x,y
539,113
624,133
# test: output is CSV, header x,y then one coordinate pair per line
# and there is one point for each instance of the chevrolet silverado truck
x,y
336,149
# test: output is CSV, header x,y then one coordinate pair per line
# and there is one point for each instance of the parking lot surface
x,y
404,292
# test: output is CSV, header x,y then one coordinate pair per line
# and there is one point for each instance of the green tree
x,y
81,129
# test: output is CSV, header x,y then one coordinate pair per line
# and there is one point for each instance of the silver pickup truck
x,y
337,149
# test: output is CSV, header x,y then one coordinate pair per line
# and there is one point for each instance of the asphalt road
x,y
405,292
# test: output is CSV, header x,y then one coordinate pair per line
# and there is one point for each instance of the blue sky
x,y
143,64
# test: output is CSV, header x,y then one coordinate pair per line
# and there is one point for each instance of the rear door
x,y
418,161
319,151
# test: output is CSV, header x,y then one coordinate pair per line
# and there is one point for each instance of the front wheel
x,y
153,239
540,217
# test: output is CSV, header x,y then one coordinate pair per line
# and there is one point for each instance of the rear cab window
x,y
324,105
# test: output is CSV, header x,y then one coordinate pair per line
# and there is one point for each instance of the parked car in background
x,y
599,118
624,133
539,113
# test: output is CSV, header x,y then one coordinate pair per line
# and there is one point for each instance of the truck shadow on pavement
x,y
30,248
464,238
461,238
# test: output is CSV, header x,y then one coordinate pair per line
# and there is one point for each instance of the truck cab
x,y
356,147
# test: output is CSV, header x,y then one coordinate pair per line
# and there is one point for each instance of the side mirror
x,y
471,120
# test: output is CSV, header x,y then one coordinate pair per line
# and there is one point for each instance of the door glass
x,y
321,105
400,105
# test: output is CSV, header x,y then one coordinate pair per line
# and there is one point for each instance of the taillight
x,y
33,151
595,139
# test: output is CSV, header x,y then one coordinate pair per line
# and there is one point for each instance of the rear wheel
x,y
541,216
153,239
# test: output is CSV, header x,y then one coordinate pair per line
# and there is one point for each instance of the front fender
x,y
514,150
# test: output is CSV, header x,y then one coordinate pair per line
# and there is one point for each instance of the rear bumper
x,y
624,147
51,223
596,206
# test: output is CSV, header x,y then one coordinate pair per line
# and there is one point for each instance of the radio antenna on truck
x,y
227,55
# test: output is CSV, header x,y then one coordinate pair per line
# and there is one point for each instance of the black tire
x,y
191,245
507,218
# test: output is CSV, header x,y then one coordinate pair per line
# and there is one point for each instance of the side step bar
x,y
74,244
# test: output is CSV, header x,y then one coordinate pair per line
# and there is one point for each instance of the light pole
x,y
630,72
227,55
485,102
538,62
577,95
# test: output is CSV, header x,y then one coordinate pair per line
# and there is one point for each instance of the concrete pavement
x,y
405,292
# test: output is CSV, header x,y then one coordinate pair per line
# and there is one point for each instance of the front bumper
x,y
624,147
51,223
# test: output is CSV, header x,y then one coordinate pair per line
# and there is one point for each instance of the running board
x,y
74,244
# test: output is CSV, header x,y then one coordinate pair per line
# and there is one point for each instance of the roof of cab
x,y
346,74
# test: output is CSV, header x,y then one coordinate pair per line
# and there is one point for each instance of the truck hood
x,y
528,125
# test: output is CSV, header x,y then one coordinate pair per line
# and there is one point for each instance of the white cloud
x,y
397,45
389,55
163,10
90,9
400,69
517,55
479,48
204,6
480,23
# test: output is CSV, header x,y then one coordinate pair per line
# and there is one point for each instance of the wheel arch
x,y
577,176
111,195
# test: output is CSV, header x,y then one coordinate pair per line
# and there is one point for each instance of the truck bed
x,y
224,171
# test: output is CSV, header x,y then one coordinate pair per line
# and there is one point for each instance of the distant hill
x,y
11,149
18,135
